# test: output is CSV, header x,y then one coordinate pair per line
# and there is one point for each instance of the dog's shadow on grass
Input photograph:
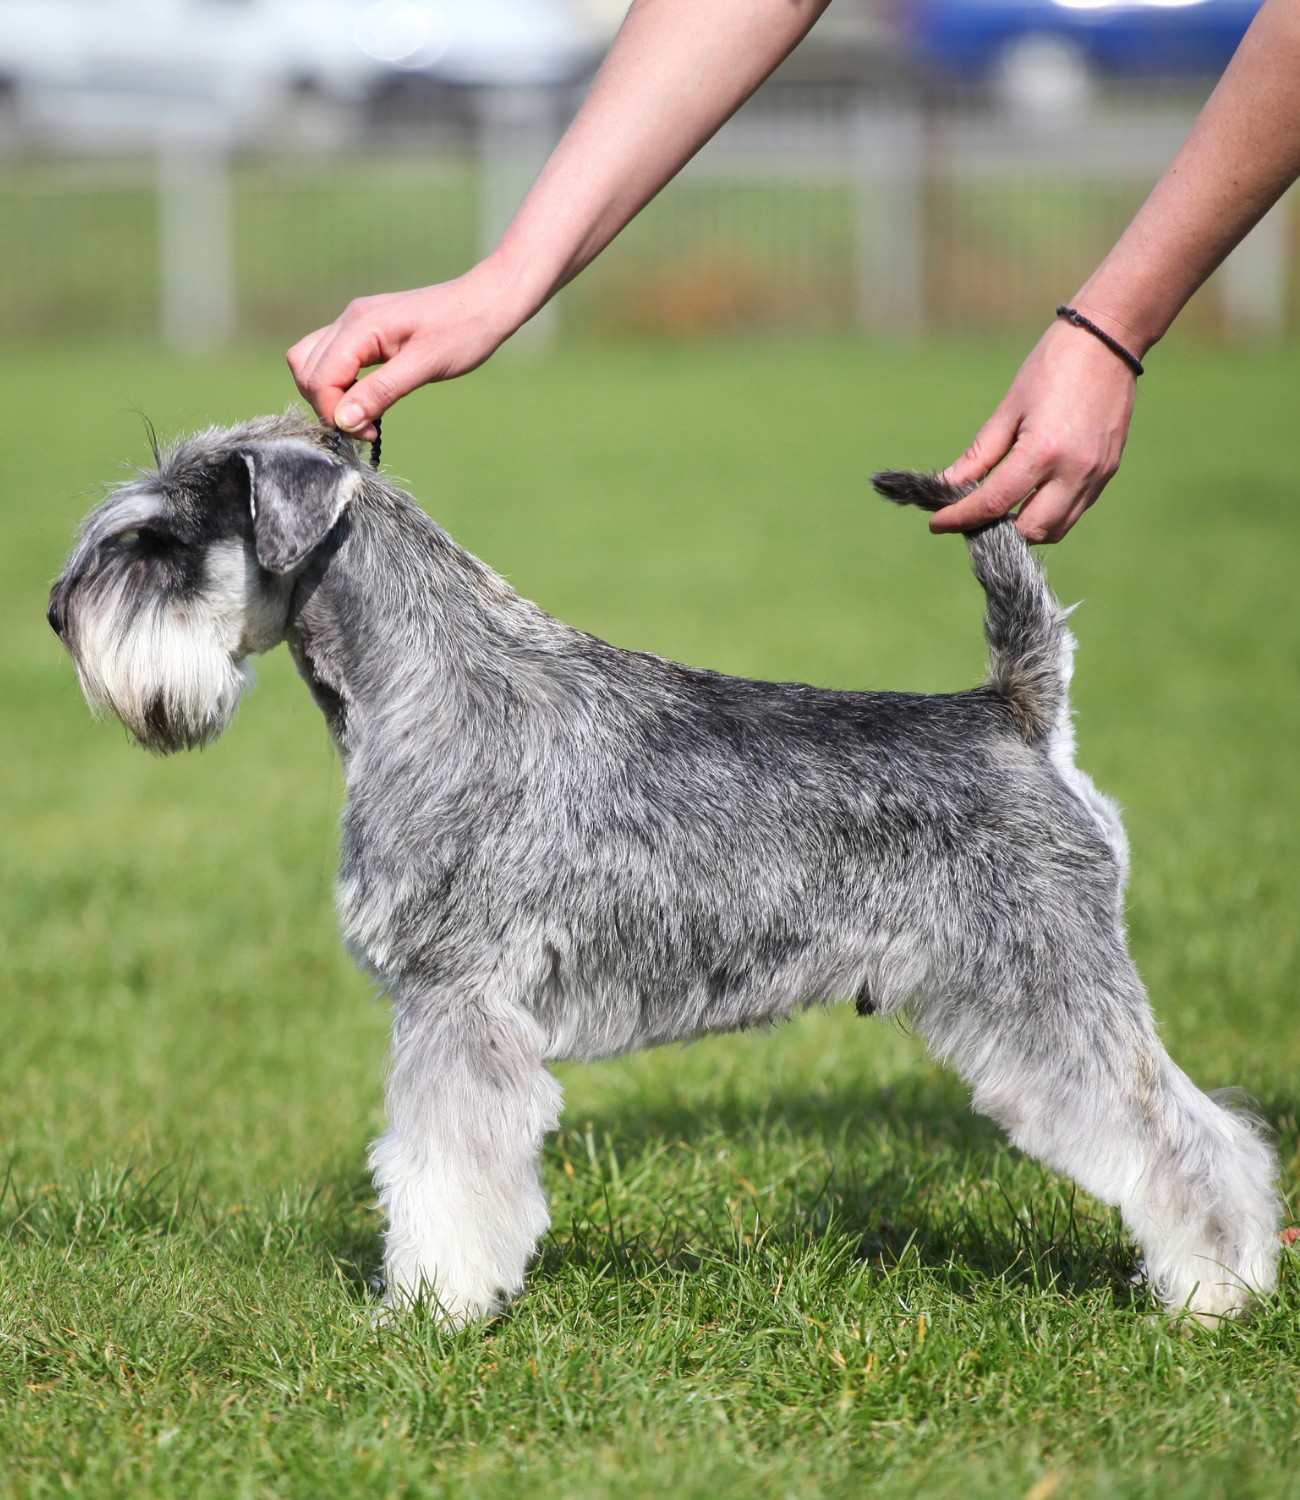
x,y
907,1175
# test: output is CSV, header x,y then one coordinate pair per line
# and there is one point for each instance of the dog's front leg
x,y
469,1102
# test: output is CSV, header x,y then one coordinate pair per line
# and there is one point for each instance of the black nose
x,y
55,615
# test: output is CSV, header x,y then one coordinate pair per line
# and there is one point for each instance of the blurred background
x,y
675,458
197,171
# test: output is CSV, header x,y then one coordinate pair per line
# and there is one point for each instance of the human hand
x,y
433,333
1053,443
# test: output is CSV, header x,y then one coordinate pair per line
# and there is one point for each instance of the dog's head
x,y
187,570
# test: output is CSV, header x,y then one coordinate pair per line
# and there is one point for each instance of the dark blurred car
x,y
994,41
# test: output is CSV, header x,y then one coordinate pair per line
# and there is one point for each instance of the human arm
x,y
676,72
1059,432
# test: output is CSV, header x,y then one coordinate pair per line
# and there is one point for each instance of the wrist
x,y
509,289
1119,351
1139,330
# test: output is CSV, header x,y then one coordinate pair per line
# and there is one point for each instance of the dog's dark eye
x,y
145,539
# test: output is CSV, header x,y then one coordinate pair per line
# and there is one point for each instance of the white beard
x,y
175,674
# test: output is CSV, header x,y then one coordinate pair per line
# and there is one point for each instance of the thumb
x,y
371,396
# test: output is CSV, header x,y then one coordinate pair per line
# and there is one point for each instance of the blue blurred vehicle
x,y
988,40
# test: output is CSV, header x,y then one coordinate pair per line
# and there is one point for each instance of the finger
x,y
1071,518
992,444
1009,484
1059,502
334,365
1050,511
300,359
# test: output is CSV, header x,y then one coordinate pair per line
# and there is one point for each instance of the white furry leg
x,y
469,1103
1208,1210
1090,1091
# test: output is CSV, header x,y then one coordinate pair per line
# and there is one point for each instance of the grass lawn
x,y
785,1264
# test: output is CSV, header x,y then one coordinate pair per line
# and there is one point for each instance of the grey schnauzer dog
x,y
554,848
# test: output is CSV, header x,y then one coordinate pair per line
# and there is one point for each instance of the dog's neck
x,y
422,646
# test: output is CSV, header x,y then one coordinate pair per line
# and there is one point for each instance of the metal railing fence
x,y
814,208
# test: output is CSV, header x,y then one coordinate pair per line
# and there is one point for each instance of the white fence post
x,y
196,254
1253,280
516,130
889,170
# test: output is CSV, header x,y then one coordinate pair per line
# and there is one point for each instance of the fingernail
x,y
348,416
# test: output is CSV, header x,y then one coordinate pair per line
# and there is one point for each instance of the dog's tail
x,y
1030,646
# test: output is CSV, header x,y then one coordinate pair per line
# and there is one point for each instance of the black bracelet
x,y
1114,345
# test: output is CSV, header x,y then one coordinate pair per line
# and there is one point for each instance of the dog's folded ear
x,y
296,494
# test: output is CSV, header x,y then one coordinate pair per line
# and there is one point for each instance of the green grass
x,y
786,1264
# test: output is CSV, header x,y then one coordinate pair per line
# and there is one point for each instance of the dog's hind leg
x,y
1074,1072
469,1102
